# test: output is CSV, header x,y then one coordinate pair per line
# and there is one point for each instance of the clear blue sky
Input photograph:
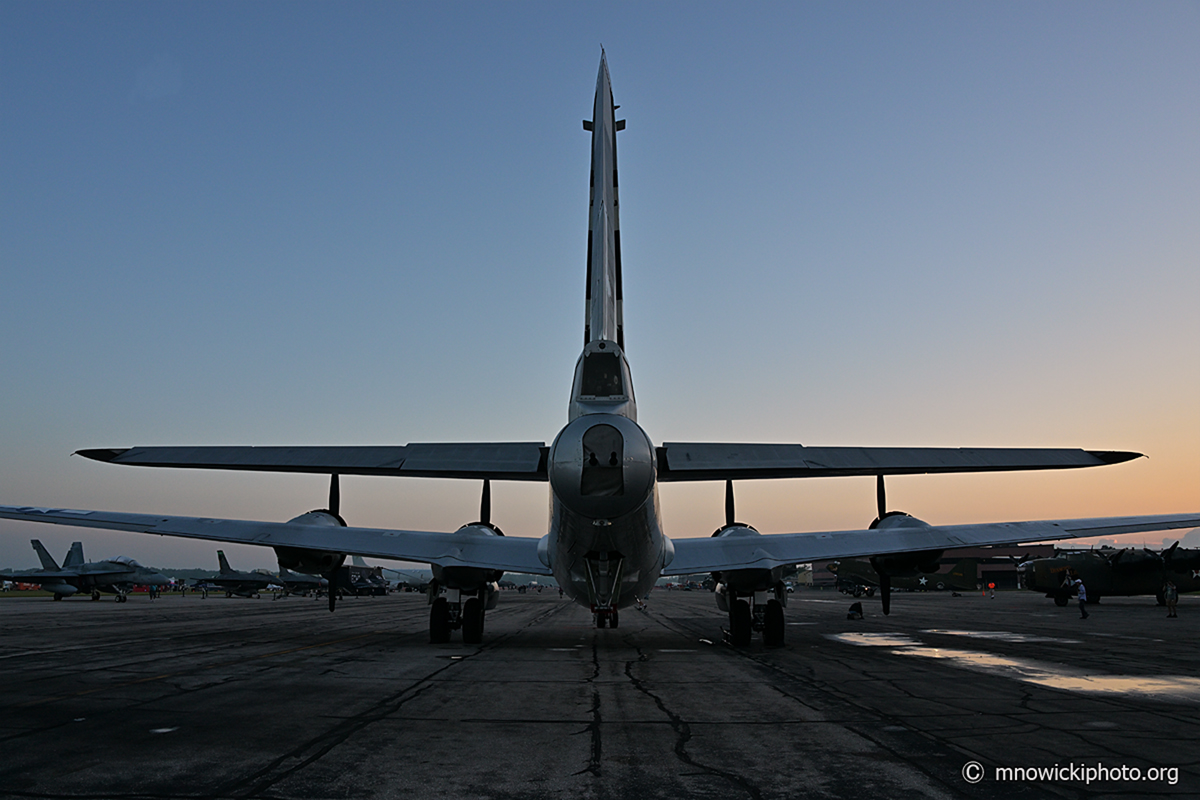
x,y
944,224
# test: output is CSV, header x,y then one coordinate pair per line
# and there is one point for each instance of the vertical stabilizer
x,y
74,556
604,319
47,562
225,570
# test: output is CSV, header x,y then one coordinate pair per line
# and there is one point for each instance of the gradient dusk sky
x,y
925,224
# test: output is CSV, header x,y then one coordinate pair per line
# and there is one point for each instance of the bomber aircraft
x,y
114,576
605,544
1112,572
855,573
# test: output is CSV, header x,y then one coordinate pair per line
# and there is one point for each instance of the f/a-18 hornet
x,y
115,575
605,544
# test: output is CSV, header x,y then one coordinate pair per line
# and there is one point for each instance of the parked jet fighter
x,y
299,583
605,544
243,584
1111,572
115,576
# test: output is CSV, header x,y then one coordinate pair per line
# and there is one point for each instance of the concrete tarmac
x,y
186,697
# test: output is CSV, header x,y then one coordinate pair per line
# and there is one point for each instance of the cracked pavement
x,y
236,698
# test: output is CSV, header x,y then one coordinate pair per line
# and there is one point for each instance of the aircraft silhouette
x,y
1111,572
114,576
605,544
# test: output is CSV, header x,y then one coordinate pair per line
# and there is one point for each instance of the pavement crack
x,y
256,784
593,727
683,733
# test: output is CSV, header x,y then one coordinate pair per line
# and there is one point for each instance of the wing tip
x,y
106,454
1115,456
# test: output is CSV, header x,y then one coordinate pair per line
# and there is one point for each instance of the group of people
x,y
1170,593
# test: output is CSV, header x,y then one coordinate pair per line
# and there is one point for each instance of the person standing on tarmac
x,y
1083,614
1171,595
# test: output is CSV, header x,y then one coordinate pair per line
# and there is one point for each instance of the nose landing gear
x,y
605,617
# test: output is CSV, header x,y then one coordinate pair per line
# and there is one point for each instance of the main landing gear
x,y
755,612
455,610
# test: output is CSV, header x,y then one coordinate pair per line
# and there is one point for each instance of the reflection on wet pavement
x,y
875,639
1003,636
1029,670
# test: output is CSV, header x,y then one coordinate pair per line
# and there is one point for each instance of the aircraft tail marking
x,y
225,569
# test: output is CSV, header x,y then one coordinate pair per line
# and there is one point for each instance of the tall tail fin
x,y
225,569
47,562
604,318
74,556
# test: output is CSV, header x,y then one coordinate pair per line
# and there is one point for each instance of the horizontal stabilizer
x,y
721,461
513,461
589,126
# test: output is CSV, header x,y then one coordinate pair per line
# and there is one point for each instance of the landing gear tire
x,y
739,622
472,621
1061,600
773,625
58,597
613,619
439,621
601,619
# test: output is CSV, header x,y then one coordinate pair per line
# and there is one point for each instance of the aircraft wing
x,y
725,461
510,554
38,576
512,461
716,554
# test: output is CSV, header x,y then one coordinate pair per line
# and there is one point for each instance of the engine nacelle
x,y
744,582
469,579
312,562
900,564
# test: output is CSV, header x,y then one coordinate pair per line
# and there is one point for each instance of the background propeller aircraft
x,y
1111,572
605,544
963,576
115,576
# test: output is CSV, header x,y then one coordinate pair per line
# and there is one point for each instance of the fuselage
x,y
605,543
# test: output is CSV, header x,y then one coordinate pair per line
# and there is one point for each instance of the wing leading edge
x,y
723,461
510,554
783,549
513,461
